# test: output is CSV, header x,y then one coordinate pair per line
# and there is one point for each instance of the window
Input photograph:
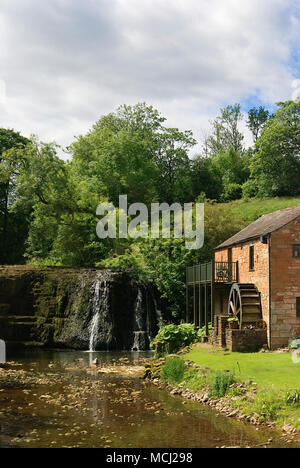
x,y
296,251
298,306
251,257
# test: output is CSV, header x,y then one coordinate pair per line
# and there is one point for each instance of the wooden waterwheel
x,y
245,304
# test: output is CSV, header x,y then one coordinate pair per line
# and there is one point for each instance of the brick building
x,y
256,274
268,255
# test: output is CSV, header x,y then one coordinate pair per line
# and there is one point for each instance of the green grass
x,y
173,370
252,209
276,375
266,369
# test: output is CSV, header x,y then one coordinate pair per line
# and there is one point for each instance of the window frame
x,y
252,258
296,247
298,307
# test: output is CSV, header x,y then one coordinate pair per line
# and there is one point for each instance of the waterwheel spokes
x,y
245,304
235,304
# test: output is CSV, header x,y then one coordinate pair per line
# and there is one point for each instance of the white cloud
x,y
65,63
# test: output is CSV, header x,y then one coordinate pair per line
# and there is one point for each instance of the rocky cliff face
x,y
76,308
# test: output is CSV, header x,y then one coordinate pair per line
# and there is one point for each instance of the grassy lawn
x,y
250,210
275,375
266,369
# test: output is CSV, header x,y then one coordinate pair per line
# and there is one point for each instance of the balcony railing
x,y
213,272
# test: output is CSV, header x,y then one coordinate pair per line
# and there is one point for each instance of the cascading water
x,y
94,329
96,316
158,312
141,338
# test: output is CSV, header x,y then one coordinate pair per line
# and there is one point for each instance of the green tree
x,y
13,224
275,167
174,165
205,179
232,170
42,185
257,118
117,156
226,133
131,152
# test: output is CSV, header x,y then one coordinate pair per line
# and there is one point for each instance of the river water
x,y
61,402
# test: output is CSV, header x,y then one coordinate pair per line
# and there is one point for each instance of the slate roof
x,y
265,225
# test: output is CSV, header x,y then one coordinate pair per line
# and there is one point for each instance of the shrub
x,y
267,405
220,384
293,397
232,191
249,189
171,338
173,370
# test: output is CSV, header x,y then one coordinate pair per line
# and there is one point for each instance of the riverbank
x,y
263,388
60,399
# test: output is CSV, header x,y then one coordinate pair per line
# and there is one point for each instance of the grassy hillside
x,y
250,210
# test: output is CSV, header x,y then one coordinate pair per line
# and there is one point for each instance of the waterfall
x,y
159,316
141,337
139,340
96,315
94,331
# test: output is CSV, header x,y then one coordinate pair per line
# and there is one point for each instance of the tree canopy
x,y
275,166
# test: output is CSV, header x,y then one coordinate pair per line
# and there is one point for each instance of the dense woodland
x,y
48,205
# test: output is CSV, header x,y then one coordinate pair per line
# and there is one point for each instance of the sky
x,y
65,63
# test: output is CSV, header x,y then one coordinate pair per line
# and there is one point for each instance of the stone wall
x,y
54,307
243,341
285,283
246,341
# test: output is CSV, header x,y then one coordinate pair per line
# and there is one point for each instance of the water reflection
x,y
77,406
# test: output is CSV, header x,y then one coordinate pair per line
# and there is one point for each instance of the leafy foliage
x,y
14,222
226,134
220,384
267,405
172,338
173,370
275,167
202,331
293,397
257,119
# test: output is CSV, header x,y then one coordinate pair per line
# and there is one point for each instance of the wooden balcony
x,y
212,273
202,281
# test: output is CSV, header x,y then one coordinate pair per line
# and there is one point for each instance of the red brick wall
x,y
260,275
285,282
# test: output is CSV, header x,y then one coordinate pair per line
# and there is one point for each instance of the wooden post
x,y
187,303
194,303
206,310
200,306
212,292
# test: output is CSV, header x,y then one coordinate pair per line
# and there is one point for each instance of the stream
x,y
57,400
